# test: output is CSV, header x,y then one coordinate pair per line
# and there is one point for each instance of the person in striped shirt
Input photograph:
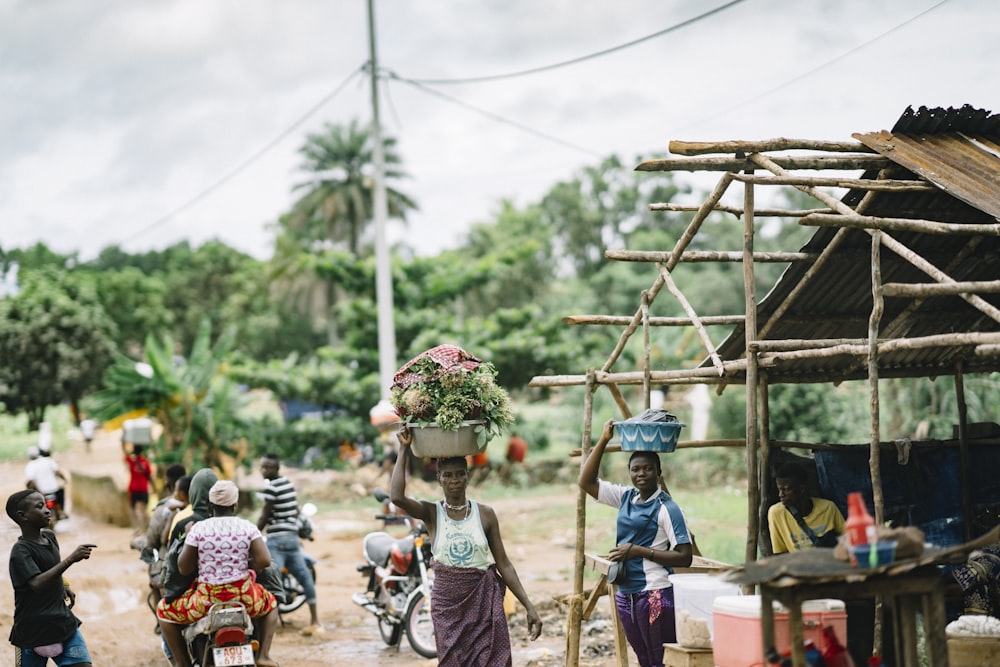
x,y
279,520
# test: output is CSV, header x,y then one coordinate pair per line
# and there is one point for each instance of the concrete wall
x,y
98,497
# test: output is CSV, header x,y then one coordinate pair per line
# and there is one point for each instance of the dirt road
x,y
118,626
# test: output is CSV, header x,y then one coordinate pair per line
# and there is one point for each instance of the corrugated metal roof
x,y
955,149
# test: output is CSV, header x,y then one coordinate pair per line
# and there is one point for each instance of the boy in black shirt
x,y
44,627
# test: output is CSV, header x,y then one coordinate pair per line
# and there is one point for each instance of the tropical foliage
x,y
191,397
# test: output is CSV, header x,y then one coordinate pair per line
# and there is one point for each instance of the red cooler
x,y
736,625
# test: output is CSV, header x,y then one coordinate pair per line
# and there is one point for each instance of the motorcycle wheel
x,y
419,627
391,632
295,595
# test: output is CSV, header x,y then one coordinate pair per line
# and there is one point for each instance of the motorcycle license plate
x,y
228,656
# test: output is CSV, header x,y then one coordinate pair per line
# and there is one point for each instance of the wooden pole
x,y
876,185
940,289
874,458
695,320
765,462
899,224
708,256
816,162
752,390
965,471
779,144
645,350
574,618
621,320
682,243
759,212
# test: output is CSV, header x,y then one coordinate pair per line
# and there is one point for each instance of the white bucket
x,y
694,595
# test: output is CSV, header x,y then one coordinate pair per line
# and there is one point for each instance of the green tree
x,y
191,397
55,341
334,213
337,204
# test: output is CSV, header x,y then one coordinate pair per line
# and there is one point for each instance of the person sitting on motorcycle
x,y
222,550
471,567
42,474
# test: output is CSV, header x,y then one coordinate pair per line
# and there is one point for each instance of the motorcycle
x,y
399,583
222,638
55,509
295,595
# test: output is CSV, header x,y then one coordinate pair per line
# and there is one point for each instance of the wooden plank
x,y
899,224
778,144
819,162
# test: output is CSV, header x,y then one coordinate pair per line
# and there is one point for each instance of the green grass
x,y
15,439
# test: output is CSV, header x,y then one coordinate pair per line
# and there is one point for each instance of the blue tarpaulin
x,y
924,492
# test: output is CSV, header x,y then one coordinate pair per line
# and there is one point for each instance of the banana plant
x,y
191,397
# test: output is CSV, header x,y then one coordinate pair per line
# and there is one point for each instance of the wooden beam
x,y
695,322
777,144
787,344
940,289
623,320
738,212
679,247
877,185
859,162
899,224
707,256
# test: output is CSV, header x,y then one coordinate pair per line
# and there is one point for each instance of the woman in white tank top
x,y
471,568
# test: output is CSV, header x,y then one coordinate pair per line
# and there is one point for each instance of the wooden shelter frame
x,y
752,165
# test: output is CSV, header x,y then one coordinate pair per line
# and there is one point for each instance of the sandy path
x,y
118,626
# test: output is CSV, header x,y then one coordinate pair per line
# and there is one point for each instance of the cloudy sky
x,y
143,123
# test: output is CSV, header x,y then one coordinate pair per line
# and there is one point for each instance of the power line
x,y
744,103
580,59
489,114
250,160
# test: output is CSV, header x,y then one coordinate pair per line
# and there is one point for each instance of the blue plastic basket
x,y
648,436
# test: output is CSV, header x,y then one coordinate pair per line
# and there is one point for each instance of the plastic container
x,y
873,555
138,431
432,442
694,594
860,526
736,622
648,436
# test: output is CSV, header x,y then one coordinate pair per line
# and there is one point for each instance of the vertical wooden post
x,y
645,349
750,305
874,458
963,450
575,616
765,461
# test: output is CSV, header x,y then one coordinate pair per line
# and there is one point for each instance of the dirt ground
x,y
119,627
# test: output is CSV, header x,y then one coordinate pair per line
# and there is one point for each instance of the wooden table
x,y
912,585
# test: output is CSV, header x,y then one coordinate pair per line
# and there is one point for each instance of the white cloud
x,y
116,113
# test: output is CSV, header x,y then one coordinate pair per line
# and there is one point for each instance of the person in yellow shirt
x,y
801,521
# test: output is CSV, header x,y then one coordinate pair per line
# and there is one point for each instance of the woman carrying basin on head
x,y
652,539
471,567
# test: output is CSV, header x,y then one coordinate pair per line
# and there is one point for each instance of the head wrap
x,y
224,493
198,493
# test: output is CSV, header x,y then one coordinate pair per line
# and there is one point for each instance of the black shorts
x,y
137,497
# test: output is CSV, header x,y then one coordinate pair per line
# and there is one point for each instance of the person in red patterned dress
x,y
221,550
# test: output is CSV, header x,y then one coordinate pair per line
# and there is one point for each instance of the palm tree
x,y
335,211
338,200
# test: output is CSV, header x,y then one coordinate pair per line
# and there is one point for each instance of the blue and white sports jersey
x,y
657,523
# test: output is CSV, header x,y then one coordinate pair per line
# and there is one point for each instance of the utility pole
x,y
383,267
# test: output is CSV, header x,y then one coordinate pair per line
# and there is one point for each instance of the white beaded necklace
x,y
467,507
